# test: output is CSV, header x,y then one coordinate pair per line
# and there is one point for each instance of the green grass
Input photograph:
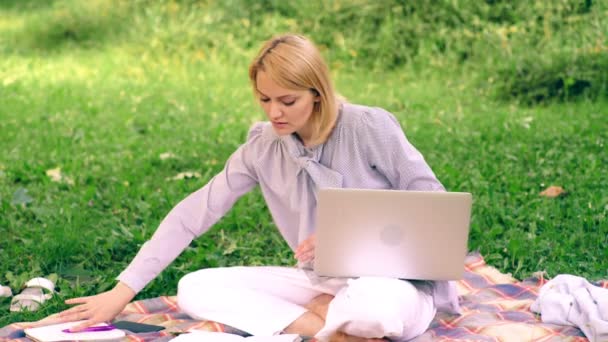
x,y
103,103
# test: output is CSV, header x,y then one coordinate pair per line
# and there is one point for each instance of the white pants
x,y
265,300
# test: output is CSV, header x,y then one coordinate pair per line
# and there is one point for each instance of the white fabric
x,y
572,300
374,307
5,291
264,300
42,283
33,292
366,149
40,298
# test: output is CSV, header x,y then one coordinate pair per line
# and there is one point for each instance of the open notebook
x,y
54,333
202,336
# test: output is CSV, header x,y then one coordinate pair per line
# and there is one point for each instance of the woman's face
x,y
288,110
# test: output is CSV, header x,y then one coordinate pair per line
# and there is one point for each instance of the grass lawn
x,y
120,120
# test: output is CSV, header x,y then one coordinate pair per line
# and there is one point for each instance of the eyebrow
x,y
282,97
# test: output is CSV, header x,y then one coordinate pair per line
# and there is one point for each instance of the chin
x,y
282,132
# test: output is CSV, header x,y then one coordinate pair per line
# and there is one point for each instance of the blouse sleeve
x,y
389,152
193,216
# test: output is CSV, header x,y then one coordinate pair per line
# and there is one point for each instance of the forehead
x,y
267,86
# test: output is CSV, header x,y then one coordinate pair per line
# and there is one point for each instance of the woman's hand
x,y
306,250
99,308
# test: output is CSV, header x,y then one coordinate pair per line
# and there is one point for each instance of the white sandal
x,y
33,295
5,291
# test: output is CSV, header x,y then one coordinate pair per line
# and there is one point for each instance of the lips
x,y
279,124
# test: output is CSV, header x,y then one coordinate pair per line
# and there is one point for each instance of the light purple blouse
x,y
366,149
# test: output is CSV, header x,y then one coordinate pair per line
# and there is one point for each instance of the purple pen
x,y
92,329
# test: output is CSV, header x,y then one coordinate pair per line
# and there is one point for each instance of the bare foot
x,y
313,320
319,305
308,324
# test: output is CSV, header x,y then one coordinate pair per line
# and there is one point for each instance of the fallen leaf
x,y
183,175
525,122
553,191
56,176
166,155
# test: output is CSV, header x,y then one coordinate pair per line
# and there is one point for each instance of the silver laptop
x,y
392,233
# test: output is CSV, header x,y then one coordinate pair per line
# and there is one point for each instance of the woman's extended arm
x,y
99,308
192,217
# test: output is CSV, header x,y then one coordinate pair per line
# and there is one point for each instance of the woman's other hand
x,y
306,250
99,308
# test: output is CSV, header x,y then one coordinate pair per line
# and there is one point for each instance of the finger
x,y
305,250
310,239
86,316
75,316
84,325
55,320
304,257
51,319
305,246
73,310
309,247
300,247
299,254
78,300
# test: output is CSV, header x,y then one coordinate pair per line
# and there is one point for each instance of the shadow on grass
x,y
53,25
16,5
555,76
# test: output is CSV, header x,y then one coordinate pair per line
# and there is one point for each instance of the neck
x,y
305,135
305,141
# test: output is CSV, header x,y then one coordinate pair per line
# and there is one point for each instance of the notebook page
x,y
54,333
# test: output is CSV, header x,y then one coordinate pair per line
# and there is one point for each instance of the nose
x,y
274,111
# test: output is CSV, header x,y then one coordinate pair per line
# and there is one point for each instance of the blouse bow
x,y
310,172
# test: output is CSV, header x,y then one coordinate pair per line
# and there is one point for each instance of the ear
x,y
317,97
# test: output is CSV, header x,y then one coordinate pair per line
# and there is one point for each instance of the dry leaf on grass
x,y
56,176
183,175
553,191
166,155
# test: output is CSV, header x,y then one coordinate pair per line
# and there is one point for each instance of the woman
x,y
312,140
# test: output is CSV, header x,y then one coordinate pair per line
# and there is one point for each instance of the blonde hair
x,y
294,62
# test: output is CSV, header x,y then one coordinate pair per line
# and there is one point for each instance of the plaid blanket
x,y
496,307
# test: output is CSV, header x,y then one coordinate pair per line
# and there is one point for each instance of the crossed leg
x,y
268,300
311,322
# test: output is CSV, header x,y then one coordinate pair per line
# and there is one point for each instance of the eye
x,y
264,99
289,103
